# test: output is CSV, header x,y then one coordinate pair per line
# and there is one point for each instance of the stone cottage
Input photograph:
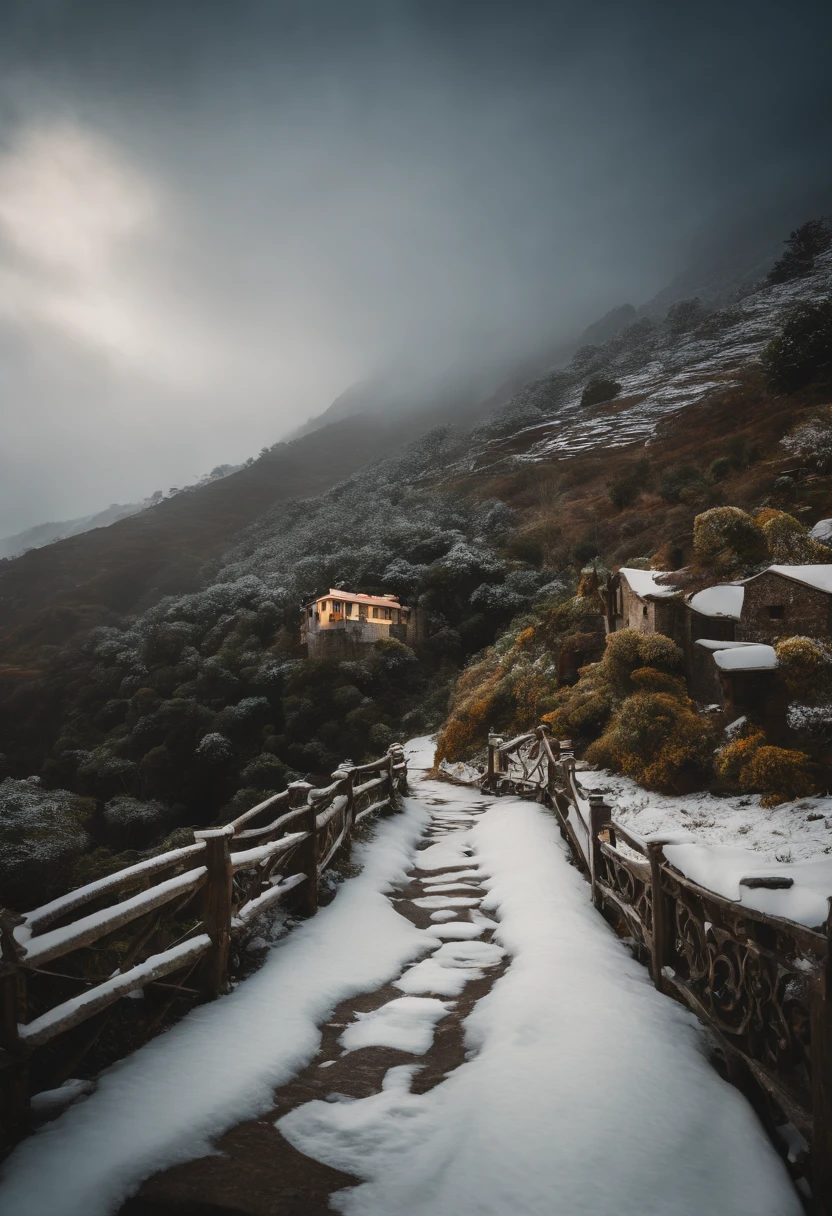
x,y
710,616
341,622
784,601
637,600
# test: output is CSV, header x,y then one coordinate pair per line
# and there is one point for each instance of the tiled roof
x,y
358,597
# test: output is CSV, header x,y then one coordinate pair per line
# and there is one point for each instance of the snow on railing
x,y
761,983
181,918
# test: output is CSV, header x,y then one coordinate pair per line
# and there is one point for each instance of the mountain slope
x,y
126,567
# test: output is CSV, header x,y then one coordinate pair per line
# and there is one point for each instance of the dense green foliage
x,y
205,705
802,247
803,348
600,389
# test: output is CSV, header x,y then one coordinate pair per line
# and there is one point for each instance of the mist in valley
x,y
215,219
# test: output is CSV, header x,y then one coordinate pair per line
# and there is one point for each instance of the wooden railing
x,y
164,931
761,984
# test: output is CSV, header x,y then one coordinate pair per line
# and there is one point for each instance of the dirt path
x,y
255,1170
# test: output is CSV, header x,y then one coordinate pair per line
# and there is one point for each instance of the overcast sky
x,y
216,216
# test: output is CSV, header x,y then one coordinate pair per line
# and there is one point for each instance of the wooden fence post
x,y
821,1038
599,818
308,862
662,924
14,1070
494,760
349,812
491,769
391,780
217,908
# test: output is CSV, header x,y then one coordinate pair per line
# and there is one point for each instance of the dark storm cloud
x,y
216,216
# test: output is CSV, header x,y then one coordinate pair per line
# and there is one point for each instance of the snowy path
x,y
458,1032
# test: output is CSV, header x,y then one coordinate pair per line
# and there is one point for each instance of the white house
x,y
342,620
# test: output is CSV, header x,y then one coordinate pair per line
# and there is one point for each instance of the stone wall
x,y
775,607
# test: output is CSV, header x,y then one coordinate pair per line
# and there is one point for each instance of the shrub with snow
x,y
727,541
133,823
788,541
803,347
812,441
42,832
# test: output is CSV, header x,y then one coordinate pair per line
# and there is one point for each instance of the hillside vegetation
x,y
153,679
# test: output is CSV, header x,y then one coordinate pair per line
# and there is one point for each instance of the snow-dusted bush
x,y
802,247
246,716
805,664
810,719
788,541
214,748
727,541
803,348
598,390
265,772
133,823
42,832
812,440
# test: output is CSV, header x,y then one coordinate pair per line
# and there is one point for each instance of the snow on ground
x,y
219,1065
586,1092
717,841
419,753
456,931
466,774
405,1023
445,901
659,377
449,851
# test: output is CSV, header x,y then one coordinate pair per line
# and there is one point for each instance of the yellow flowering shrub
x,y
780,774
657,739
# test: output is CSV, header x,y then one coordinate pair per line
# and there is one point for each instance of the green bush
x,y
803,348
788,541
720,468
685,315
674,483
626,488
726,541
802,247
598,390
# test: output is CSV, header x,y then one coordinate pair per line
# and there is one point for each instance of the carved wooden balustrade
x,y
761,984
164,932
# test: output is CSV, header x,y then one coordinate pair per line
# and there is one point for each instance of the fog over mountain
x,y
215,218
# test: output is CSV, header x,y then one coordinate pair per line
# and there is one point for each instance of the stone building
x,y
745,683
637,600
785,601
342,622
727,632
711,617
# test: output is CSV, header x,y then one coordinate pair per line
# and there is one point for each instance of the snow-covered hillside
x,y
662,369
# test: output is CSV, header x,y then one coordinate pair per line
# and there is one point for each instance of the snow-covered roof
x,y
643,582
723,600
714,644
822,531
752,657
819,577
